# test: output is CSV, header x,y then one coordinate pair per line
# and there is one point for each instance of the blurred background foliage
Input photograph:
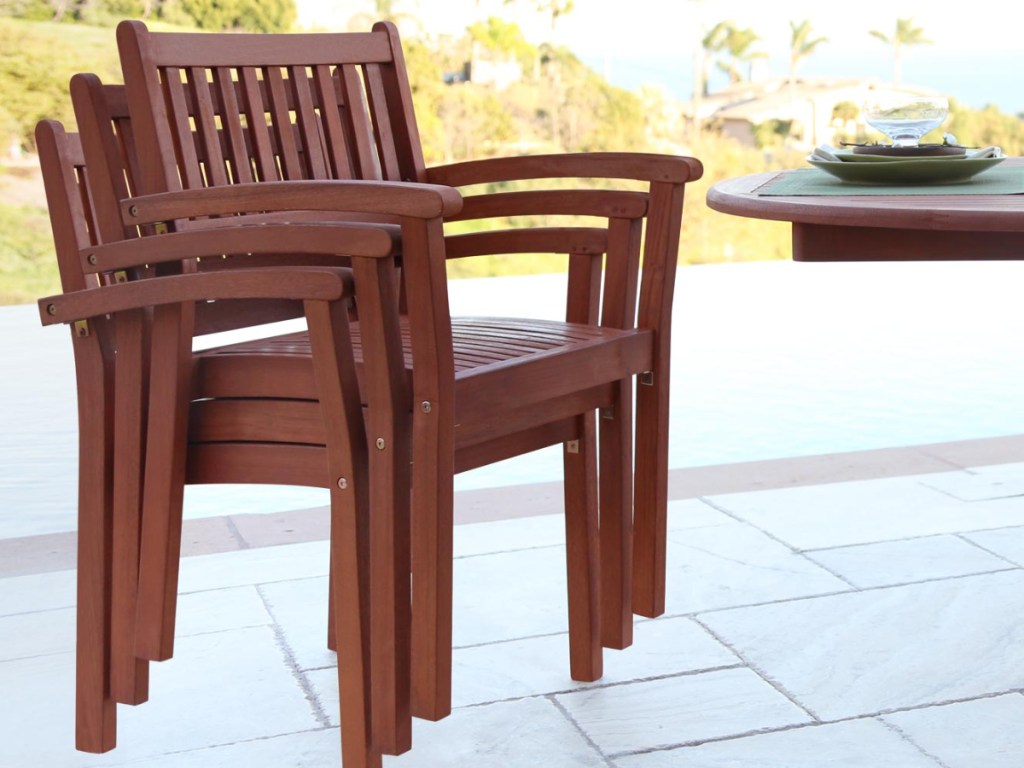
x,y
554,103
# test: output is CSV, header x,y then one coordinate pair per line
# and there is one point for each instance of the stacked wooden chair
x,y
111,317
247,156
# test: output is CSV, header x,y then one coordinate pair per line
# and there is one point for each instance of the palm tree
x,y
712,44
737,44
383,10
801,45
551,9
905,34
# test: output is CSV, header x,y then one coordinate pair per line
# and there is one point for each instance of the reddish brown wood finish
x,y
112,318
292,112
885,227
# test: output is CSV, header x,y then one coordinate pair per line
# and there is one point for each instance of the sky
x,y
654,40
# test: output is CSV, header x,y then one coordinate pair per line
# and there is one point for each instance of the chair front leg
x,y
583,562
432,569
353,588
95,708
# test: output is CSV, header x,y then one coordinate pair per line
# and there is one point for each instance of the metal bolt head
x,y
380,443
133,210
426,406
91,258
343,483
51,309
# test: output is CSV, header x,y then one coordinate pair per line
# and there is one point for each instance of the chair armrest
x,y
404,199
310,283
238,235
604,203
582,165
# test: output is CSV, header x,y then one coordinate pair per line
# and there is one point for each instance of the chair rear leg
x,y
650,508
616,459
164,482
129,674
582,553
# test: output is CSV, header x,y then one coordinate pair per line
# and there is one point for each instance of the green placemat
x,y
1000,180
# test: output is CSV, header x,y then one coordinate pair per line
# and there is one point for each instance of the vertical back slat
x,y
309,123
206,126
618,310
360,128
291,165
231,124
107,184
584,288
383,132
181,127
126,137
148,102
405,136
256,120
330,115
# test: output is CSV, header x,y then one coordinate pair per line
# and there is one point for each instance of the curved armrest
x,y
582,165
323,284
236,235
605,203
408,199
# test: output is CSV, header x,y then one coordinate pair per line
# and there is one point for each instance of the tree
x,y
801,45
905,34
383,10
249,15
552,9
712,44
737,45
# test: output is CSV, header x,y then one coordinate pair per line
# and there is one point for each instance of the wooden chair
x,y
339,106
114,299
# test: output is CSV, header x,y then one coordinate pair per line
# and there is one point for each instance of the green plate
x,y
937,170
865,157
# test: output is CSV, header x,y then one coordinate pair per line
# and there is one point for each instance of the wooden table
x,y
885,228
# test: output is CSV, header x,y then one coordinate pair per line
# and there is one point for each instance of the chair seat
x,y
244,392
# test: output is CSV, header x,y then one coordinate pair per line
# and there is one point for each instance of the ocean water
x,y
973,78
770,360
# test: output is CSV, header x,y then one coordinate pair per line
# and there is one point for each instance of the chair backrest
x,y
107,145
247,107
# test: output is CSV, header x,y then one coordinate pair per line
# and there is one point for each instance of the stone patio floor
x,y
870,622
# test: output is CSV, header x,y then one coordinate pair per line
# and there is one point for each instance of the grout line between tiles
x,y
820,723
739,519
718,739
236,534
510,551
952,464
902,539
855,587
596,686
966,537
222,745
760,673
904,736
605,760
293,666
800,598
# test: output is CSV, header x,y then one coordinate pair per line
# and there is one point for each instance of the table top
x,y
965,213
